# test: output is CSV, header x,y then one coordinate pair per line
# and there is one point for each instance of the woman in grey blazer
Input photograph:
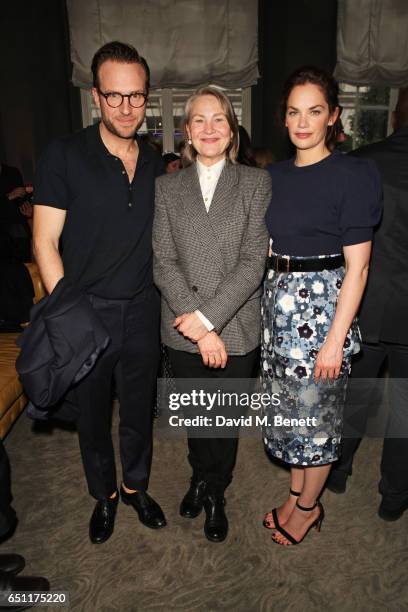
x,y
210,244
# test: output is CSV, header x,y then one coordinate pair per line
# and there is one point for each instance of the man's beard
x,y
112,129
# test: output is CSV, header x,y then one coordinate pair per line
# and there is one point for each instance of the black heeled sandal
x,y
317,524
265,523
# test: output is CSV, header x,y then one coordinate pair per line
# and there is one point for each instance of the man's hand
x,y
328,361
212,350
17,192
191,326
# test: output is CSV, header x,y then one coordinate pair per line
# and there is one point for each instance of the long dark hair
x,y
245,151
329,88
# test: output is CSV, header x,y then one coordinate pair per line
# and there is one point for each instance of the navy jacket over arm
x,y
60,346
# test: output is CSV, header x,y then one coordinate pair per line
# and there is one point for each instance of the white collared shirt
x,y
208,177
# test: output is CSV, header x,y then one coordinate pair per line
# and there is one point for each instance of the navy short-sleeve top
x,y
319,208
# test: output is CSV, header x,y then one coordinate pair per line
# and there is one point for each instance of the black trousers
x,y
213,459
369,363
7,514
132,360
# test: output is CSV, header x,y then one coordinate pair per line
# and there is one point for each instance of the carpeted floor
x,y
358,562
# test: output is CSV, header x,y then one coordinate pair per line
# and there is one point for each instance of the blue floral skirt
x,y
305,427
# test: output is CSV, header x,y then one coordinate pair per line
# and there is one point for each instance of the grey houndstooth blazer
x,y
212,261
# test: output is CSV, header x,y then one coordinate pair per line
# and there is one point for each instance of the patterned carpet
x,y
358,562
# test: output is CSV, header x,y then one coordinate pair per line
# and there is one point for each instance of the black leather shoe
x,y
391,513
216,523
149,511
12,564
10,584
192,502
103,520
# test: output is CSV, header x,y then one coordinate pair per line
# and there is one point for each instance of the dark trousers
x,y
7,514
213,459
131,360
369,363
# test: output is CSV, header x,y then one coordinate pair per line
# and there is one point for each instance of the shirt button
x,y
130,204
123,171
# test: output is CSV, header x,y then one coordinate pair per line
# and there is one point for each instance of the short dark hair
x,y
329,88
118,52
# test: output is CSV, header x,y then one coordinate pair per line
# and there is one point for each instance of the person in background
x,y
210,245
180,149
94,190
383,319
16,289
172,162
341,136
344,141
263,157
321,217
12,564
15,212
151,142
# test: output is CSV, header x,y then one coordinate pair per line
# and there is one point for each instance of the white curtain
x,y
185,42
372,42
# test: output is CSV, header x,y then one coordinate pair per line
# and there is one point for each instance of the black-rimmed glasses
x,y
114,99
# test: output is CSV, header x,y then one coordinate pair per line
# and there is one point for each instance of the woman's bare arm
x,y
330,357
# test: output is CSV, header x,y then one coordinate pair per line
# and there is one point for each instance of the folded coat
x,y
60,346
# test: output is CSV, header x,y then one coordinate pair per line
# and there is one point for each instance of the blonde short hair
x,y
189,152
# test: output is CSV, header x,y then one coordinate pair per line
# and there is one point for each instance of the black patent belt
x,y
279,263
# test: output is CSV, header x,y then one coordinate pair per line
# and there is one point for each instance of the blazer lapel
x,y
222,204
194,207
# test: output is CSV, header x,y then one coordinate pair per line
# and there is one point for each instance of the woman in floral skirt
x,y
320,219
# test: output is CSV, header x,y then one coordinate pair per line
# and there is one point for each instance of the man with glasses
x,y
94,197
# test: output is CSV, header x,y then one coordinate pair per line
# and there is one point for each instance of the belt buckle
x,y
278,260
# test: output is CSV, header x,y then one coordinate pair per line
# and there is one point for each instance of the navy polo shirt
x,y
106,242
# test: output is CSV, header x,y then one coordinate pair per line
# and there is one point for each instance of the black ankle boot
x,y
192,502
216,522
